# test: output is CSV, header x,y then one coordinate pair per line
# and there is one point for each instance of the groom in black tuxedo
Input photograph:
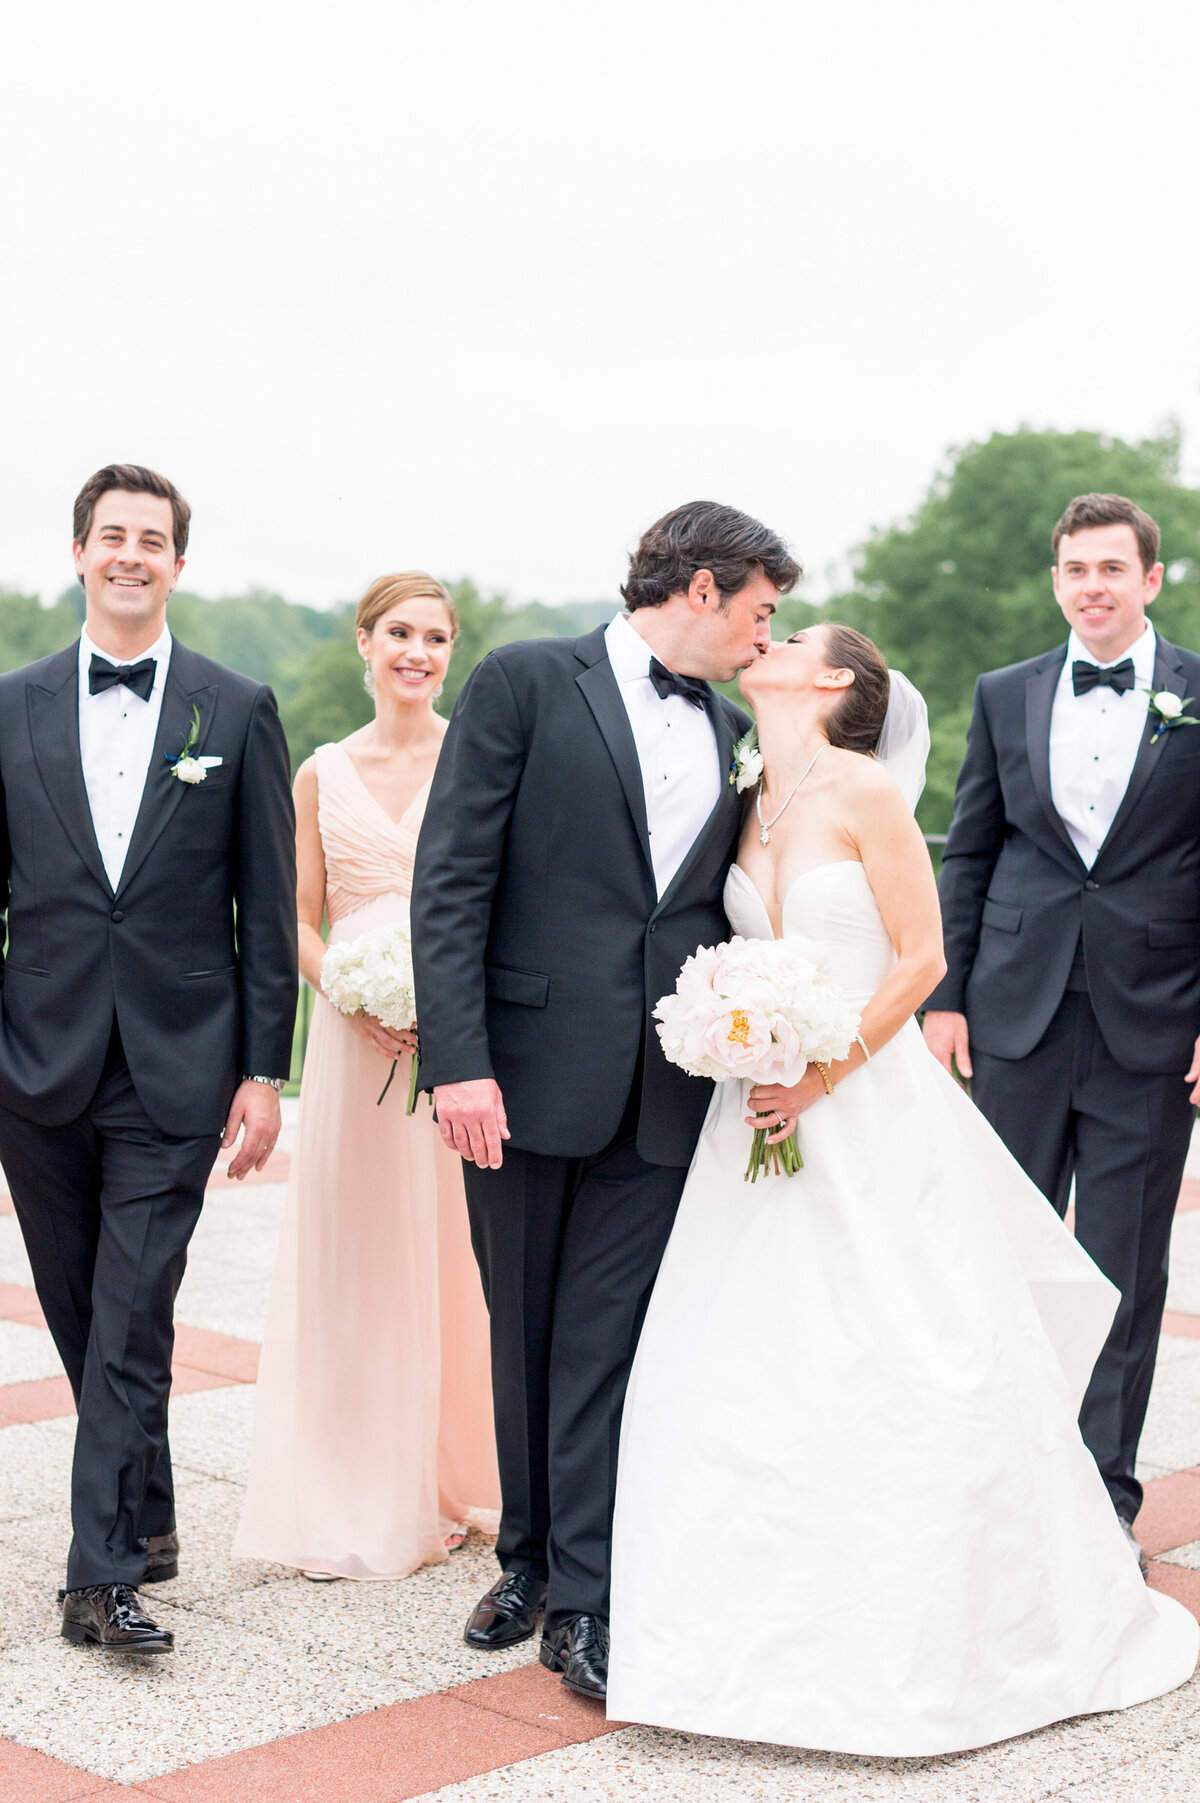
x,y
147,853
1070,894
573,855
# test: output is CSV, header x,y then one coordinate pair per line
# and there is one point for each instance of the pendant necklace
x,y
764,825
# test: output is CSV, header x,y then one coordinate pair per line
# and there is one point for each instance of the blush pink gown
x,y
373,1430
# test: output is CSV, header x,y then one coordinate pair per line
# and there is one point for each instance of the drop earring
x,y
368,678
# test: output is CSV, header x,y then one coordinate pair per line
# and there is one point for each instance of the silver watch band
x,y
275,1083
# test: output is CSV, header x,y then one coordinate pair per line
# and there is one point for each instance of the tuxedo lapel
x,y
1168,674
1040,689
53,704
599,688
187,692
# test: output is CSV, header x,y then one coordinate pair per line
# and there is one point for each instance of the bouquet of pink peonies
x,y
759,1009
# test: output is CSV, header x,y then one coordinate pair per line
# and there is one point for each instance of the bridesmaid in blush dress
x,y
373,1439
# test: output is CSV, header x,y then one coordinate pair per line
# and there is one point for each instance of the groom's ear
x,y
702,591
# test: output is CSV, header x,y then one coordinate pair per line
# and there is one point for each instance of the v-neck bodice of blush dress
x,y
368,855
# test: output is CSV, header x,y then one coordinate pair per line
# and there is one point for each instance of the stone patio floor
x,y
282,1691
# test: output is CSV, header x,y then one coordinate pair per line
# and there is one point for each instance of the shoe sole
x,y
81,1636
494,1645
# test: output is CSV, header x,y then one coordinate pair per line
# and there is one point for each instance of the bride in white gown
x,y
853,1508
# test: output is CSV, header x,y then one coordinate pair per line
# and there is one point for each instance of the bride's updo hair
x,y
387,592
857,721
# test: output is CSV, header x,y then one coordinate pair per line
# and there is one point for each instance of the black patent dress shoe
x,y
162,1560
110,1616
579,1650
508,1613
1139,1555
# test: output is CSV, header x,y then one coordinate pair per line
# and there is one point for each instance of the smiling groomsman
x,y
1070,892
147,858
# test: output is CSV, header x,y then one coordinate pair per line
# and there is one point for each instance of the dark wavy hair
x,y
706,536
131,479
856,723
1109,510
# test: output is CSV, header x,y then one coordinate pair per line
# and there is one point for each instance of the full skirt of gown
x,y
854,1511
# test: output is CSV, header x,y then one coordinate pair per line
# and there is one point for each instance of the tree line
x,y
961,587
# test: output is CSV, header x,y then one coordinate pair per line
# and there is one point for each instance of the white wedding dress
x,y
853,1508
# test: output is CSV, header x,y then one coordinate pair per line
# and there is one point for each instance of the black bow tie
x,y
138,677
666,682
1087,676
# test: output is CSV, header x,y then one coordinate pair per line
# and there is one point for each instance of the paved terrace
x,y
283,1691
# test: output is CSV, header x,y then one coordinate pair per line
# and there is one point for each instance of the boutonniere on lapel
x,y
187,768
1166,710
746,764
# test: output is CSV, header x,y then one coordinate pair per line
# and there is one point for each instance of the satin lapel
x,y
1168,674
53,705
602,694
728,806
186,689
1039,703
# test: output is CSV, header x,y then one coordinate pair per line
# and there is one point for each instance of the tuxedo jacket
x,y
539,943
195,951
1017,898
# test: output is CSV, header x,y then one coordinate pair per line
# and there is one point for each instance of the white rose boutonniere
x,y
746,765
186,767
1167,710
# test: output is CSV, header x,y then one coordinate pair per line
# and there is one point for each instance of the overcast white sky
x,y
485,288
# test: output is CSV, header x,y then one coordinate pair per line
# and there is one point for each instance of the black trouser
x,y
568,1249
1070,1110
107,1205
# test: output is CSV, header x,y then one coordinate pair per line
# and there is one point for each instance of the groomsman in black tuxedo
x,y
147,856
1070,893
573,855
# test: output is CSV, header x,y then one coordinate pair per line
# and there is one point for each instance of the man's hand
x,y
255,1107
472,1120
1193,1076
946,1036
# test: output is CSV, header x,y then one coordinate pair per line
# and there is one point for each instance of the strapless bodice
x,y
833,904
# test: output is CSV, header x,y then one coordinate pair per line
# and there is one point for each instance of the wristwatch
x,y
275,1083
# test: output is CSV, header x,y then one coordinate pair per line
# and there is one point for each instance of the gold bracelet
x,y
824,1077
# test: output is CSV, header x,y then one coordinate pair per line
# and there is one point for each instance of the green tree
x,y
964,586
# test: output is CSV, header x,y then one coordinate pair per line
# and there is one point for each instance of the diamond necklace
x,y
764,825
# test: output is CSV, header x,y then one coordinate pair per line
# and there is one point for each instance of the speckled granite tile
x,y
410,1629
26,1352
14,1265
129,1718
1172,1432
1183,1290
210,1432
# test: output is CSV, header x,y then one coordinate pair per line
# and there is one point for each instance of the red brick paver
x,y
29,1777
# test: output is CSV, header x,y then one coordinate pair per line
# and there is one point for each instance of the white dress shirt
x,y
1094,740
676,747
117,730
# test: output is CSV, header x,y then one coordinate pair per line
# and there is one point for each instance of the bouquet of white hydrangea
x,y
373,974
760,1009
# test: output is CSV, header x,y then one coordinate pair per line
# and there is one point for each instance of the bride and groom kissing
x,y
897,1340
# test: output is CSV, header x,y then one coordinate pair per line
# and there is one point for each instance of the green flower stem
x,y
780,1160
388,1084
412,1088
